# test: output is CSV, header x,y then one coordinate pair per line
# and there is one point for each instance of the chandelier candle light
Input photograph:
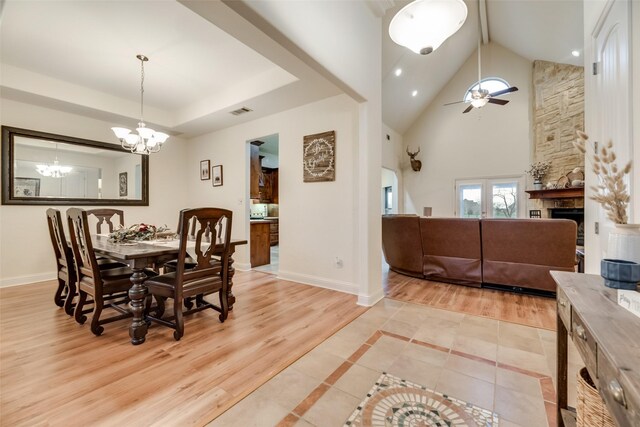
x,y
54,170
147,140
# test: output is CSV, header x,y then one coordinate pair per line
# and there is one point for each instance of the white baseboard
x,y
242,266
26,280
369,300
321,282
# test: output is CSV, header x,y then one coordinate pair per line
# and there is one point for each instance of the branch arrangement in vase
x,y
611,192
538,171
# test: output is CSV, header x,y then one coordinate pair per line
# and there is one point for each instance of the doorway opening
x,y
264,210
389,192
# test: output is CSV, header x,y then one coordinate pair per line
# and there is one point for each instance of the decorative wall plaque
x,y
319,157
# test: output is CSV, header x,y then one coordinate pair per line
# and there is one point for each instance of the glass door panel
x,y
470,201
505,200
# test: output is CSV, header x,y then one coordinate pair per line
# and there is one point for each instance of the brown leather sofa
x,y
472,252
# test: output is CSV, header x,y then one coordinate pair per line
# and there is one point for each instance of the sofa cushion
x,y
521,252
451,250
401,243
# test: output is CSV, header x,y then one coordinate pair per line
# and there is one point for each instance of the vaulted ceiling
x,y
79,56
533,29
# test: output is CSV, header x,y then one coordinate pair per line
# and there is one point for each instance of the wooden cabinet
x,y
269,187
260,244
254,176
274,233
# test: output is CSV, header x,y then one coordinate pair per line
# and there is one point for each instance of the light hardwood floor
x,y
535,311
55,372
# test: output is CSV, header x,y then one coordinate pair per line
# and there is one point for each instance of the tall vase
x,y
624,243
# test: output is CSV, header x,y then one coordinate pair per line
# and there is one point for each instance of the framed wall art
x,y
216,173
26,187
123,184
205,168
319,157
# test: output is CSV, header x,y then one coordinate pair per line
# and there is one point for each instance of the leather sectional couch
x,y
473,252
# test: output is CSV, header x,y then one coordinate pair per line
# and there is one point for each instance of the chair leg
x,y
68,303
82,298
98,303
58,296
177,311
188,303
160,308
224,305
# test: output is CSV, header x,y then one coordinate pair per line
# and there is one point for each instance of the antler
x,y
412,155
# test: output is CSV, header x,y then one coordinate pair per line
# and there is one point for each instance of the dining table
x,y
140,254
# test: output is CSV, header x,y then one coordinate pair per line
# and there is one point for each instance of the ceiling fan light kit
x,y
423,25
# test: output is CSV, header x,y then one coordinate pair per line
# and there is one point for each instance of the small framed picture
x,y
205,166
216,172
123,184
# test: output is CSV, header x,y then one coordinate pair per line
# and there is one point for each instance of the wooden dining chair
x,y
107,287
64,262
105,216
209,275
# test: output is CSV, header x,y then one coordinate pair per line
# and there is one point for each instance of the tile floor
x,y
275,262
503,367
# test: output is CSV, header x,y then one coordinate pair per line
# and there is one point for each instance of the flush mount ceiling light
x,y
575,53
398,72
424,25
147,140
414,93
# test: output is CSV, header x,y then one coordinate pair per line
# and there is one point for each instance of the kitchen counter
x,y
266,220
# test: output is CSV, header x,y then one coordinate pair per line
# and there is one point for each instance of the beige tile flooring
x,y
499,366
275,262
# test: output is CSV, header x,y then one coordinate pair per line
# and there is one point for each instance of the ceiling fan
x,y
481,97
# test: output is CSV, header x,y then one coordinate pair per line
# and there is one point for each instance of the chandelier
x,y
424,25
54,170
147,140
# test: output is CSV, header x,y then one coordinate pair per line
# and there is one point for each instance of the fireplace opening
x,y
576,215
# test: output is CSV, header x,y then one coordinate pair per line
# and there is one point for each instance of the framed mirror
x,y
41,168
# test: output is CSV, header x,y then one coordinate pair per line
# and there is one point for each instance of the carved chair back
x,y
202,223
105,216
84,256
63,253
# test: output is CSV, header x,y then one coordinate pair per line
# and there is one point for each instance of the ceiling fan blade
x,y
498,101
503,91
452,103
469,108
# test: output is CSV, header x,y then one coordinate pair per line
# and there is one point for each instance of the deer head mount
x,y
416,165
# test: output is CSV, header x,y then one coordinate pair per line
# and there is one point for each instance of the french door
x,y
490,198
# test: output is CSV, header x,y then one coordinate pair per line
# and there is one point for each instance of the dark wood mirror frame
x,y
8,198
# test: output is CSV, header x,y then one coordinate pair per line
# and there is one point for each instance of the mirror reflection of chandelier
x,y
147,140
54,170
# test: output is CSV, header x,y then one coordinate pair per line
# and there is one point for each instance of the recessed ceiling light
x,y
575,53
398,72
414,93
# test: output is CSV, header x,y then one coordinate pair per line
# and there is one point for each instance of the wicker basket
x,y
590,409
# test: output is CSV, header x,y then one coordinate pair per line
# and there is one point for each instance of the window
x,y
492,84
490,198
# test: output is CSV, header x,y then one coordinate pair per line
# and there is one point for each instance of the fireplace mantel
x,y
558,193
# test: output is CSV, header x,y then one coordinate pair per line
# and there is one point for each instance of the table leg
x,y
137,295
230,297
561,366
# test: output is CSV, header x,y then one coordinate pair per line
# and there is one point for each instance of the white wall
x,y
352,60
317,220
25,247
492,141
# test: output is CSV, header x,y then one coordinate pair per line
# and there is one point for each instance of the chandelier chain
x,y
142,91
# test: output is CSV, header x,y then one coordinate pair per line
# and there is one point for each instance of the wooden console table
x,y
608,339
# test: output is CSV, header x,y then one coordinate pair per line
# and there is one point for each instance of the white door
x,y
611,120
490,198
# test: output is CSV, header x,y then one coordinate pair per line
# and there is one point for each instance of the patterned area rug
x,y
395,402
